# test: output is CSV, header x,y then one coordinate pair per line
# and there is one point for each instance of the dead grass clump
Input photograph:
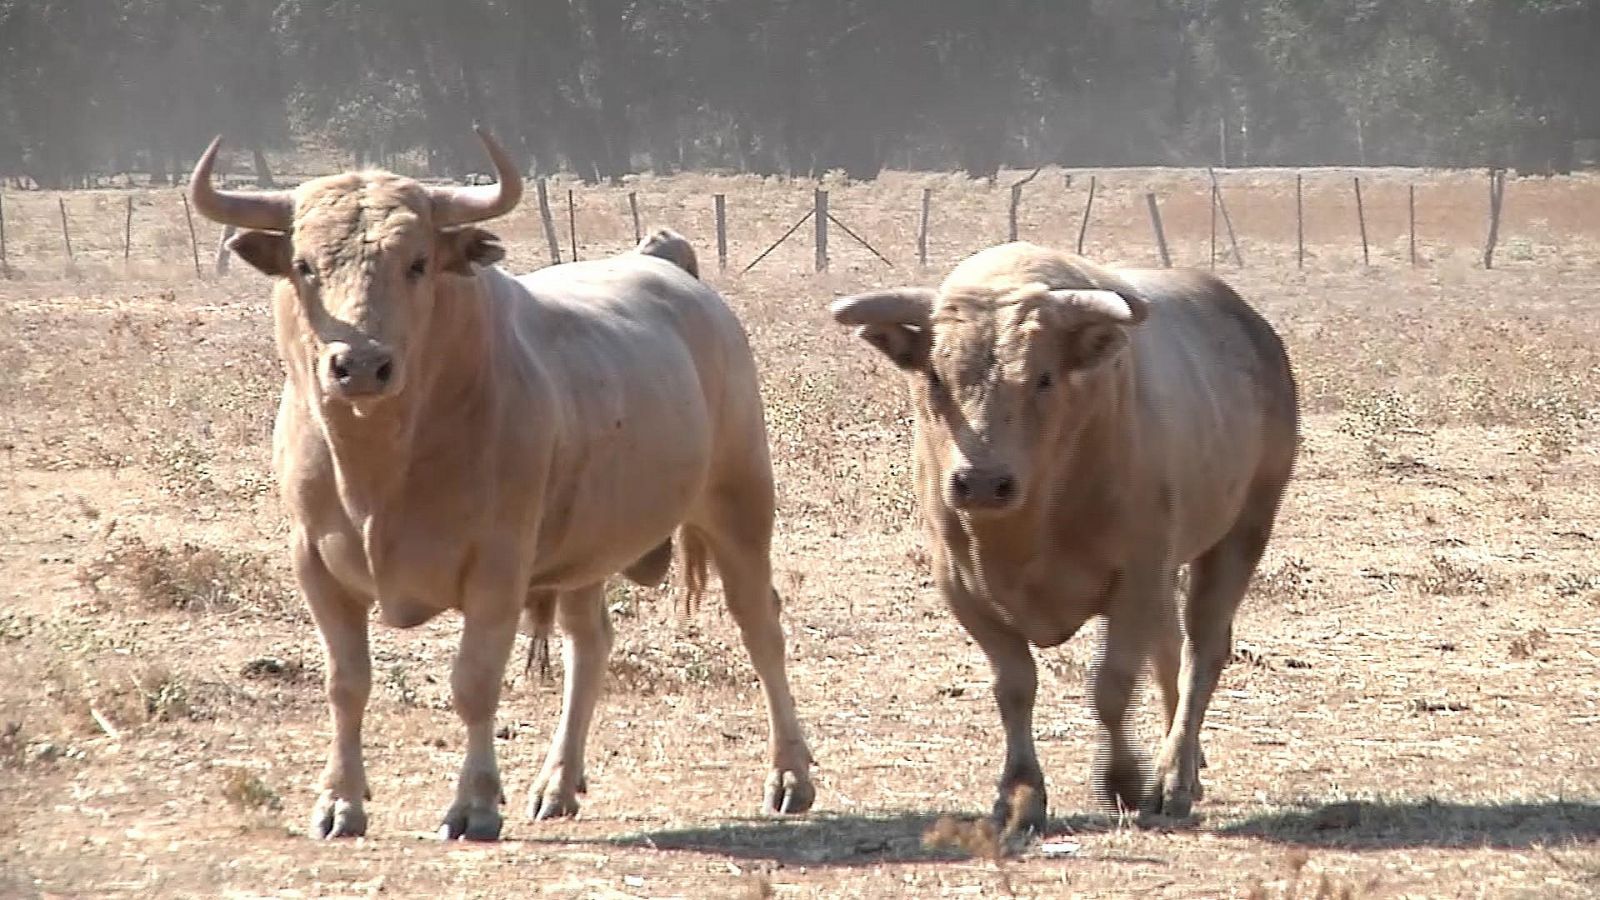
x,y
13,746
1300,882
1286,578
983,837
110,699
1450,577
190,577
652,669
1528,645
164,695
757,887
247,792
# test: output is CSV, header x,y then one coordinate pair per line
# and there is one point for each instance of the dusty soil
x,y
1413,709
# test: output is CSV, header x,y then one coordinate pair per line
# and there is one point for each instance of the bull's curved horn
x,y
458,206
897,306
1120,308
265,210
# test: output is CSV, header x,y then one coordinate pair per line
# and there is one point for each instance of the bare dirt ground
x,y
1413,709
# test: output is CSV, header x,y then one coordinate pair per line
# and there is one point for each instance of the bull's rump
x,y
1217,412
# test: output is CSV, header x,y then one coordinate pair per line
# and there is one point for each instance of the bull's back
x,y
638,357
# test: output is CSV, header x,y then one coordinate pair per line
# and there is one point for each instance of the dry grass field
x,y
1413,708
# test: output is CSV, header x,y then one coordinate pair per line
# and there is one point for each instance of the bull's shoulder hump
x,y
1193,285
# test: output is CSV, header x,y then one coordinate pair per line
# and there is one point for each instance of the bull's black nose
x,y
361,372
972,488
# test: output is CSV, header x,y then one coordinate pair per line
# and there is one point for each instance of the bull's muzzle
x,y
974,489
361,373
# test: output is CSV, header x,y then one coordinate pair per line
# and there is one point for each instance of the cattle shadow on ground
x,y
1425,823
824,839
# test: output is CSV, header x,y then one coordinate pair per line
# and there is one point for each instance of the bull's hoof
x,y
1021,808
788,792
332,817
1124,786
471,823
1169,800
549,799
552,805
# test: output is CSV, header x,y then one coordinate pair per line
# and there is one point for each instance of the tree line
x,y
606,87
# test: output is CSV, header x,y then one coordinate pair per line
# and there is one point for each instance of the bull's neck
x,y
376,454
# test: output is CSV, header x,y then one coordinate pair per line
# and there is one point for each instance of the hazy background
x,y
605,87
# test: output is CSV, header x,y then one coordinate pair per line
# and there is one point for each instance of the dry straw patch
x,y
1420,636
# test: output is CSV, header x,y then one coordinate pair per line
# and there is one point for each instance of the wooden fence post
x,y
1299,223
1361,219
819,212
1411,216
222,250
127,232
633,206
1213,224
722,230
66,236
572,223
1016,201
922,230
1083,226
1161,234
1227,220
194,242
1497,186
549,224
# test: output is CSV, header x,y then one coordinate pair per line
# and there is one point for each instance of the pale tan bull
x,y
452,437
1081,434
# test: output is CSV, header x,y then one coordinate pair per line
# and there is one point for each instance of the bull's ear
x,y
906,345
268,252
459,248
895,321
1092,325
1091,344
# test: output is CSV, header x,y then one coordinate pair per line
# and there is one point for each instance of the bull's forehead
x,y
976,340
355,218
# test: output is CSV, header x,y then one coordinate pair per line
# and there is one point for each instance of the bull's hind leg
x,y
1217,583
583,619
737,524
1133,628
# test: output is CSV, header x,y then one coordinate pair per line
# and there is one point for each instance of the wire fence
x,y
1320,218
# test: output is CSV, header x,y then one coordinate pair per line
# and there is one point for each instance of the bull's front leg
x,y
490,612
1022,799
341,619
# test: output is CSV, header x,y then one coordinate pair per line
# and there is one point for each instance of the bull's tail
x,y
538,620
664,243
693,558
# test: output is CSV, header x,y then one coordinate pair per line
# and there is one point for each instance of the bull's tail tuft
x,y
664,243
538,620
693,558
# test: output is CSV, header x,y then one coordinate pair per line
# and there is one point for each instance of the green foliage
x,y
604,87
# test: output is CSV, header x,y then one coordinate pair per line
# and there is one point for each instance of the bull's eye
x,y
303,268
935,386
1045,382
419,268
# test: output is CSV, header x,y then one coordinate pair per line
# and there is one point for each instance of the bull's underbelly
x,y
602,540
